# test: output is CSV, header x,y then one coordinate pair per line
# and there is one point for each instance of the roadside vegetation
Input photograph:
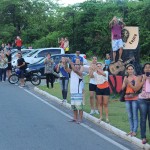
x,y
41,22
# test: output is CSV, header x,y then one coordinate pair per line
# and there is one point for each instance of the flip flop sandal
x,y
130,133
72,120
133,134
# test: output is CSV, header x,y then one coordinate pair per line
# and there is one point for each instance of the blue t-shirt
x,y
75,57
107,62
63,72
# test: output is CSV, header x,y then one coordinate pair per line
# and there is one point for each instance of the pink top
x,y
144,94
116,31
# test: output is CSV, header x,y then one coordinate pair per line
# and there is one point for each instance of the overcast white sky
x,y
67,2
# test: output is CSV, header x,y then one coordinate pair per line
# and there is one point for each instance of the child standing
x,y
107,61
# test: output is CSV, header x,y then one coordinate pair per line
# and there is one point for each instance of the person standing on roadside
x,y
131,98
77,56
116,26
76,90
66,45
21,66
2,47
18,43
61,42
63,69
49,69
107,61
3,67
92,87
102,89
9,68
144,100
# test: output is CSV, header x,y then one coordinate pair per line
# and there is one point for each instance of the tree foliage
x,y
40,23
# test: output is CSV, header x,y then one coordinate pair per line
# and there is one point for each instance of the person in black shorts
x,y
21,67
102,89
92,88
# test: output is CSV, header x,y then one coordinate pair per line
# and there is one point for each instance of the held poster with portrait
x,y
130,37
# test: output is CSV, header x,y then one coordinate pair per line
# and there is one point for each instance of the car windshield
x,y
55,51
13,52
31,53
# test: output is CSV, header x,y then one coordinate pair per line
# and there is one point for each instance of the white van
x,y
36,55
23,51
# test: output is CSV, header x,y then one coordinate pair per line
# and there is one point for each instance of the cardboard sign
x,y
130,37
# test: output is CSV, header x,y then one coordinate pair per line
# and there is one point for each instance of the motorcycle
x,y
31,76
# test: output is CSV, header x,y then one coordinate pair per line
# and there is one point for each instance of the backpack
x,y
26,65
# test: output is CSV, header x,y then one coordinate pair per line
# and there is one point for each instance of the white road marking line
x,y
82,124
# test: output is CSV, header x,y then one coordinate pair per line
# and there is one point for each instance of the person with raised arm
x,y
144,100
116,26
92,88
102,89
76,89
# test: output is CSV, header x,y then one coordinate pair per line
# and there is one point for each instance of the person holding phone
x,y
92,88
63,69
102,89
131,98
76,90
48,70
144,100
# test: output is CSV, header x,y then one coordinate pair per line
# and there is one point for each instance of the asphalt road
x,y
29,121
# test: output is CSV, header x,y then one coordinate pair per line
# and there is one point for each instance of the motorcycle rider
x,y
21,66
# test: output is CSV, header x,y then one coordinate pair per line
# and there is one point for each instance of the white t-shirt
x,y
92,81
100,79
76,84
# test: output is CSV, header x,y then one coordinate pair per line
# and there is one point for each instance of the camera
x,y
148,74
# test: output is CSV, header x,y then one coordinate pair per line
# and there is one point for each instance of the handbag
x,y
131,95
122,95
56,74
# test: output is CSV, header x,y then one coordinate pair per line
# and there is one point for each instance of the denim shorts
x,y
21,75
117,44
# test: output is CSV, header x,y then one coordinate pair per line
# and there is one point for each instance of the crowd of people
x,y
137,92
6,58
137,88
